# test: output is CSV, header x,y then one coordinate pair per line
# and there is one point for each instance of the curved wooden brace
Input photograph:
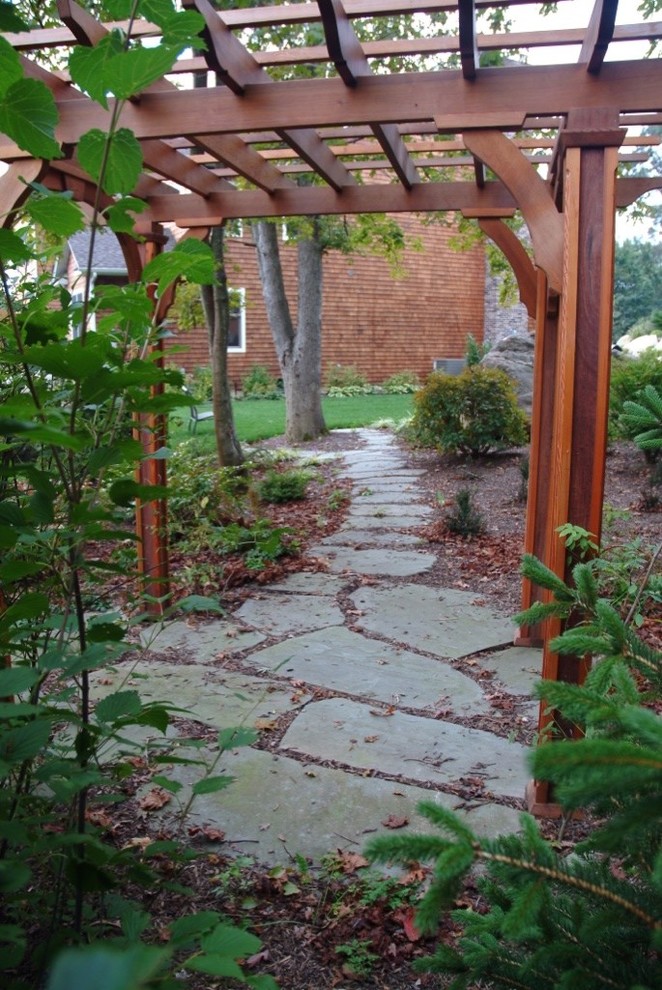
x,y
14,188
508,242
531,194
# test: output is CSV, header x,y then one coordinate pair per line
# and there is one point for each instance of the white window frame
x,y
241,295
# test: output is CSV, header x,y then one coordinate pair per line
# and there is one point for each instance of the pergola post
x,y
151,516
588,153
542,419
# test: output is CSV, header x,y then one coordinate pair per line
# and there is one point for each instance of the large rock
x,y
514,355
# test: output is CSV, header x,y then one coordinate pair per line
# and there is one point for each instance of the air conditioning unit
x,y
449,366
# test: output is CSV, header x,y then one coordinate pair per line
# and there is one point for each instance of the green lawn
x,y
260,419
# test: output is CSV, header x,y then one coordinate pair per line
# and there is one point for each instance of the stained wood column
x,y
151,517
587,171
540,459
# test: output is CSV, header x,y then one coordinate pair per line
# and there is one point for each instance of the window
x,y
237,327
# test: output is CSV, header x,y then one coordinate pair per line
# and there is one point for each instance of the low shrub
x,y
464,519
260,384
283,486
475,352
200,384
402,383
345,380
470,414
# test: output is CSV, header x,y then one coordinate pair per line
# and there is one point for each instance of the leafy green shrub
x,y
402,383
200,490
283,486
200,384
471,414
629,377
260,384
342,381
464,519
260,544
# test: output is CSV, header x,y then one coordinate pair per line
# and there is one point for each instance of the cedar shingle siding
x,y
370,320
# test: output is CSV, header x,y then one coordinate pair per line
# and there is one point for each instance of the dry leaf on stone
x,y
383,712
154,799
395,821
350,862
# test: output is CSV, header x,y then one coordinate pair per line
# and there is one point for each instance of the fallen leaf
x,y
406,918
264,827
350,862
154,799
370,739
382,712
395,821
265,724
139,842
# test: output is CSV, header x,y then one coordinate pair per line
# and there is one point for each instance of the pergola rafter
x,y
443,134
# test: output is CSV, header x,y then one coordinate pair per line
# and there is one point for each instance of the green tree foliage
x,y
637,283
629,376
67,477
469,414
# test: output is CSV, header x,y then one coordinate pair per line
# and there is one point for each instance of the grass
x,y
259,419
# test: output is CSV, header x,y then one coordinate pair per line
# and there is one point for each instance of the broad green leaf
x,y
229,941
13,876
172,786
120,215
191,259
56,214
119,155
105,968
200,603
211,785
16,570
184,930
180,28
10,65
119,10
13,248
41,508
29,606
87,66
9,18
235,737
156,716
13,680
125,491
132,71
28,116
11,514
13,943
73,359
24,742
118,705
102,632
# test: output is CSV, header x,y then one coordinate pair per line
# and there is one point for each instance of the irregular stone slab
x,y
350,537
442,621
377,473
518,668
383,522
310,583
380,510
278,808
280,614
344,661
218,697
201,641
422,749
390,563
388,495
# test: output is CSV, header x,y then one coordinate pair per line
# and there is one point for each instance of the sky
x,y
576,13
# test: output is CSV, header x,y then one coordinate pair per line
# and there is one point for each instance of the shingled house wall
x,y
371,320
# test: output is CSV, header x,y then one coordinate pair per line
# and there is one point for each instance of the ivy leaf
x,y
191,259
10,65
87,66
129,72
57,214
178,28
123,162
13,248
28,116
119,215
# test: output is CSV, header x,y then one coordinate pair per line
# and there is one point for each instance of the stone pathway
x,y
382,685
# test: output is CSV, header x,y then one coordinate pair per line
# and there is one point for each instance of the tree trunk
x,y
299,349
216,305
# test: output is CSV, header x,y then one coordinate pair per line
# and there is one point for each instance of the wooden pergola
x,y
448,135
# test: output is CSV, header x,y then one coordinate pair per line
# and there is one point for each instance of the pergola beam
x,y
467,38
352,65
599,34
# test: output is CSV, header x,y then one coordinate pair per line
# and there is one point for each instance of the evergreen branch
x,y
572,881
